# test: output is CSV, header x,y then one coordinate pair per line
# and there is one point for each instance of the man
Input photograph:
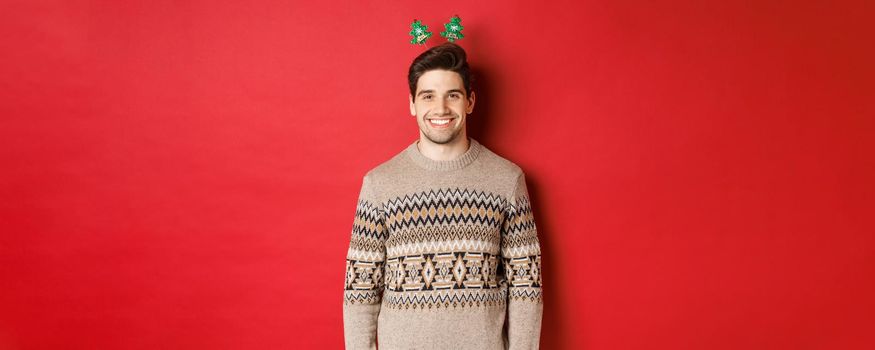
x,y
444,253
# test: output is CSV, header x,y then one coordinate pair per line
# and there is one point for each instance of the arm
x,y
521,256
363,284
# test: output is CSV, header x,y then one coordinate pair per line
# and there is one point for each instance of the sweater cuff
x,y
360,326
524,322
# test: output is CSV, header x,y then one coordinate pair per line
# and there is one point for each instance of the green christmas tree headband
x,y
420,33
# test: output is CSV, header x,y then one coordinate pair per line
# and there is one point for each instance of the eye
x,y
426,97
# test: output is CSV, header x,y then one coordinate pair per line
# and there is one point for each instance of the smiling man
x,y
444,252
441,107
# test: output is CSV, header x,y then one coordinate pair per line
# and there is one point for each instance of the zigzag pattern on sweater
x,y
368,233
448,232
426,247
444,206
445,299
368,221
525,294
519,235
352,297
519,218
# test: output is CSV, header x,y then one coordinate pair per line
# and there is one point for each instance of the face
x,y
441,106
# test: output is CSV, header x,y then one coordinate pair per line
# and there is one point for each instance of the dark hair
x,y
448,56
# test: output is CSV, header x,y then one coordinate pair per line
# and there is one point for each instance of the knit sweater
x,y
443,255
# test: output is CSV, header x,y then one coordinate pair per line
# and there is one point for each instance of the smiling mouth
x,y
440,123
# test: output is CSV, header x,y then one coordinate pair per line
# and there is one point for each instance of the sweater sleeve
x,y
521,257
365,258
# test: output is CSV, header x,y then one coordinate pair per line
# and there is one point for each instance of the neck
x,y
457,163
446,151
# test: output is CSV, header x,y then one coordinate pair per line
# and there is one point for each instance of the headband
x,y
452,31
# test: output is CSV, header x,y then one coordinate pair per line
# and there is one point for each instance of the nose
x,y
443,106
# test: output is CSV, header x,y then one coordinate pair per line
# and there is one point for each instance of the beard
x,y
441,137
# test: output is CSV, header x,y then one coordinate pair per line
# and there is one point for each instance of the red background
x,y
183,174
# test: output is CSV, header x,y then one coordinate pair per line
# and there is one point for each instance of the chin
x,y
442,140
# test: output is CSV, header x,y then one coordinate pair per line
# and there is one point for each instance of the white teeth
x,y
440,122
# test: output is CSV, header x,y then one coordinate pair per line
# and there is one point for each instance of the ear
x,y
470,103
412,106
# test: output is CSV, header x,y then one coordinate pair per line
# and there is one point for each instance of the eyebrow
x,y
432,91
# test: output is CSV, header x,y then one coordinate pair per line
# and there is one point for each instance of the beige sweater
x,y
443,255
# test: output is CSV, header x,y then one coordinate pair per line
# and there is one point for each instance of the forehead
x,y
439,80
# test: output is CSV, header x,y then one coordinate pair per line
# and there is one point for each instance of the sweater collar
x,y
474,149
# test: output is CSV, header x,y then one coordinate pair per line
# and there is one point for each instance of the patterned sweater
x,y
443,255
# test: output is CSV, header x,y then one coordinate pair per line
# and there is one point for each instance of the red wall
x,y
183,174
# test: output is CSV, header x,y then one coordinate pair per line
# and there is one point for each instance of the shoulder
x,y
386,169
500,166
509,175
